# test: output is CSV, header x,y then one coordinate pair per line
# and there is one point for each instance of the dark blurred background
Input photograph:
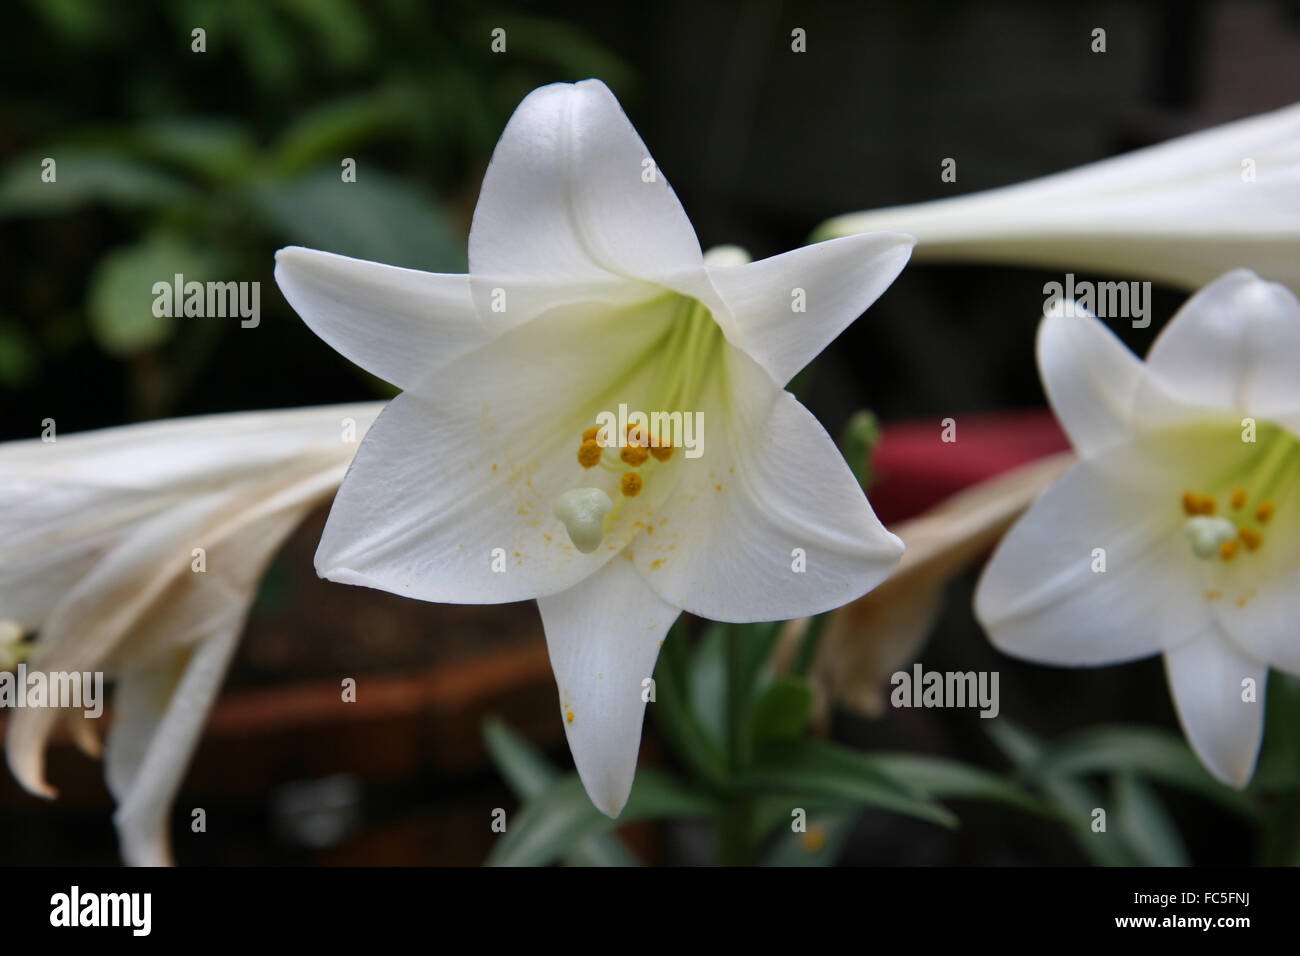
x,y
206,163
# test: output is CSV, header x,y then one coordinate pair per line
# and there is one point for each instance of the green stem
x,y
809,645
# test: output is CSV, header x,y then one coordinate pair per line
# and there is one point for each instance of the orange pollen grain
x,y
1250,538
633,455
569,716
1191,504
589,453
1228,550
1207,505
590,434
1264,512
662,452
1238,499
630,485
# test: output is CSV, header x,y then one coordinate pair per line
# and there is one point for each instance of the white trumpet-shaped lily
x,y
494,476
1178,532
1181,212
136,552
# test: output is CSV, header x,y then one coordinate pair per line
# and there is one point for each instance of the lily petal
x,y
1260,612
1235,345
1040,597
572,207
775,494
398,324
162,700
439,484
789,307
603,637
1180,212
1206,677
1090,376
159,716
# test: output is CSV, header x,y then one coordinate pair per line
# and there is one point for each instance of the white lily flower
x,y
1181,212
98,539
1178,532
485,480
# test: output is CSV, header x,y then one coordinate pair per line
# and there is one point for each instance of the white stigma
x,y
582,511
1206,534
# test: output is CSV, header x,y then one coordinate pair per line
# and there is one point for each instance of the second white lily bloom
x,y
485,481
137,551
1181,212
1179,530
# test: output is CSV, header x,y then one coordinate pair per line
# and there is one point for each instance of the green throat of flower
x,y
1231,521
682,356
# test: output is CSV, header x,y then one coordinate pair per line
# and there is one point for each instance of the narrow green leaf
x,y
528,773
1152,753
561,816
942,779
1141,820
673,716
82,176
839,773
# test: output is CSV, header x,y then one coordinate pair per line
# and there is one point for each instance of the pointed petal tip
x,y
607,805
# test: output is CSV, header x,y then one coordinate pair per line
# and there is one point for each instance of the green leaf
x,y
528,773
215,149
1279,762
1141,820
783,711
707,677
339,128
673,716
561,816
343,32
378,217
83,176
1150,752
820,845
524,769
121,297
838,773
943,779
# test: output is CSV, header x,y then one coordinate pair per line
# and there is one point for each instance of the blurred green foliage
x,y
168,160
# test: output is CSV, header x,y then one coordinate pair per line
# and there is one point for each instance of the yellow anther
x,y
589,453
590,434
1264,512
1250,538
1228,550
1238,499
1191,503
662,451
569,716
630,485
634,455
636,435
1207,505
